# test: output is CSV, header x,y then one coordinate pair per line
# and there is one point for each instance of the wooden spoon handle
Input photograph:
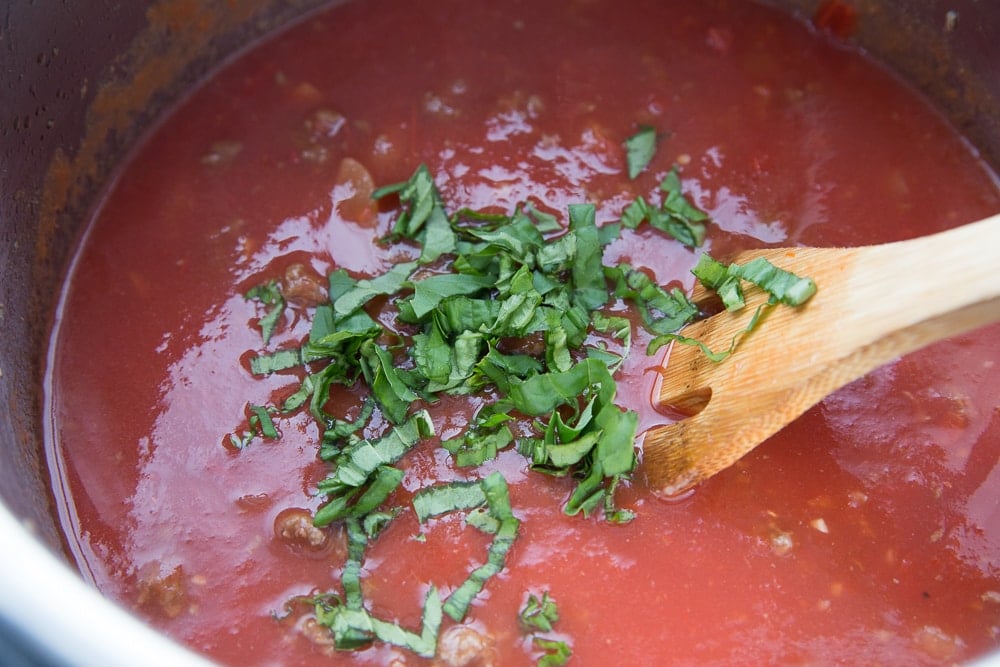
x,y
909,285
874,304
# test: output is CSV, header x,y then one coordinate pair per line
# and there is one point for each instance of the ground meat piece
x,y
533,344
319,635
222,152
352,195
302,286
165,594
295,527
319,130
324,124
938,644
464,646
306,93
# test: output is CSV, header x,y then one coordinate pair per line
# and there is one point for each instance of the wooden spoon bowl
x,y
873,304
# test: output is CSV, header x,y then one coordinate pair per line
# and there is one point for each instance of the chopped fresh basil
x,y
261,425
538,614
715,276
270,295
430,292
353,626
281,360
363,477
341,433
675,216
662,311
461,598
491,493
715,356
383,482
261,419
494,279
357,542
636,213
591,290
480,443
556,652
388,387
455,497
681,219
424,644
639,150
517,306
544,222
362,291
423,219
595,442
782,286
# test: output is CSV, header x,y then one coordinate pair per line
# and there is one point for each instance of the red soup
x,y
261,350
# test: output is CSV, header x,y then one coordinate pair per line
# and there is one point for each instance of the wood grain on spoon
x,y
874,304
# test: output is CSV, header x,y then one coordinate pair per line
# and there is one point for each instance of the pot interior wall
x,y
75,105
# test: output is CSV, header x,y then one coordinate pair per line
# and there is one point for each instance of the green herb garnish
x,y
363,471
514,304
782,287
261,425
675,216
350,622
557,652
539,615
639,150
492,494
268,294
490,281
353,626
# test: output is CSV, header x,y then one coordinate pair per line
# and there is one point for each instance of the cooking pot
x,y
81,82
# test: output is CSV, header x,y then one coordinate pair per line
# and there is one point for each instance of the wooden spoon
x,y
873,304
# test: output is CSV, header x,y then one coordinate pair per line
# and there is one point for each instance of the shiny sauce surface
x,y
866,532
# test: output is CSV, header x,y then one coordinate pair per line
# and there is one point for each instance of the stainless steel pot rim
x,y
79,627
83,628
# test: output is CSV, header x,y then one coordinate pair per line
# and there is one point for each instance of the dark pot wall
x,y
949,49
79,83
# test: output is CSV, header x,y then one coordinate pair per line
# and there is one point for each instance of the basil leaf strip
x,y
538,613
675,216
557,653
356,464
782,286
639,150
365,290
269,294
494,488
354,627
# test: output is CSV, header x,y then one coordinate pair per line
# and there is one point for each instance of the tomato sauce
x,y
868,531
